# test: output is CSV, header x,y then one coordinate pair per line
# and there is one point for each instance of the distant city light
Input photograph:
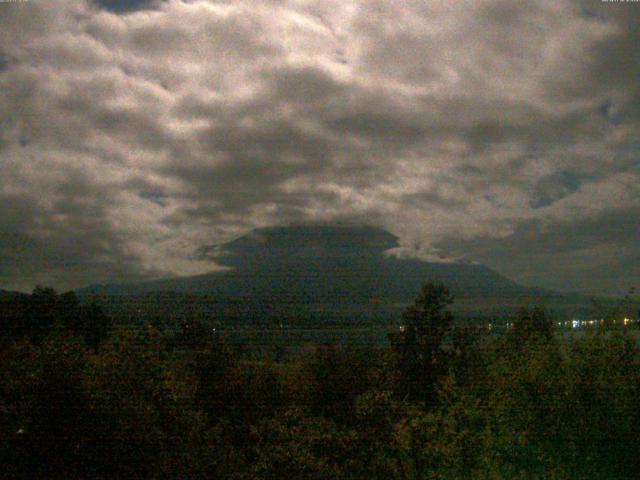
x,y
576,323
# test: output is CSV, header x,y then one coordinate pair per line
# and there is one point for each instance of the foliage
x,y
422,358
36,315
533,324
525,403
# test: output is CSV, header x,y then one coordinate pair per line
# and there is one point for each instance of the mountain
x,y
314,263
282,270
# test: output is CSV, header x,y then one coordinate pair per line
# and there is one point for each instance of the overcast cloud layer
x,y
496,131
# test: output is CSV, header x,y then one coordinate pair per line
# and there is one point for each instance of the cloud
x,y
595,254
137,132
125,6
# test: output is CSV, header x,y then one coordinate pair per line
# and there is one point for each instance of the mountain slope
x,y
319,275
322,264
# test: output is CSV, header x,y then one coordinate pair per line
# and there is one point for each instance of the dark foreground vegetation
x,y
80,398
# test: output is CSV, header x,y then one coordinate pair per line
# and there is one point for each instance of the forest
x,y
83,397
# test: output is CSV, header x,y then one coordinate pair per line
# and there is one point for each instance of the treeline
x,y
80,398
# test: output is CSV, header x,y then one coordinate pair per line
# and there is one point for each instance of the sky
x,y
135,133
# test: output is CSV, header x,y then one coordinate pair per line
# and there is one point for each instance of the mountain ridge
x,y
329,262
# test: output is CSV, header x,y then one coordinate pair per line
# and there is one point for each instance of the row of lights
x,y
575,323
583,323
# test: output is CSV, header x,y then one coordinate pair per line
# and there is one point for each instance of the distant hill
x,y
281,270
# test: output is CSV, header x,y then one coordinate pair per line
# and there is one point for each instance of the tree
x,y
611,310
43,408
335,377
422,358
35,316
534,323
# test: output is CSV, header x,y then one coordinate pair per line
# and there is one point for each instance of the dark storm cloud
x,y
125,6
593,255
137,131
4,62
554,187
68,238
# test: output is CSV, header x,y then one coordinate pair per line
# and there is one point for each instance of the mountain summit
x,y
322,263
